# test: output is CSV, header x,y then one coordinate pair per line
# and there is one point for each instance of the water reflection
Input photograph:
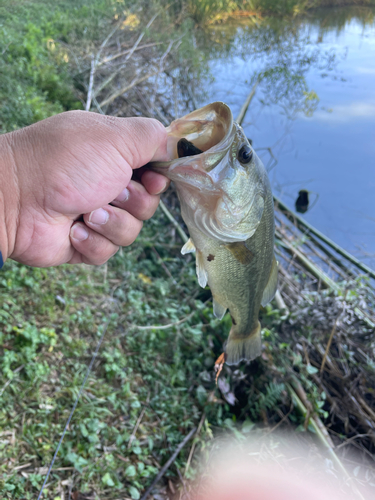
x,y
314,106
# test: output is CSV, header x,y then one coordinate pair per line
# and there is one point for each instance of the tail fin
x,y
244,348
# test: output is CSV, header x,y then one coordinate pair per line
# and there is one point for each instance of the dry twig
x,y
169,463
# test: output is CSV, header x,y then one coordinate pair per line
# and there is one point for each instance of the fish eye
x,y
245,154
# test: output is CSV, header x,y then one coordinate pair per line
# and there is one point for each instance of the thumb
x,y
140,140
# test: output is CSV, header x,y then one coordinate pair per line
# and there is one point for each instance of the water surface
x,y
315,107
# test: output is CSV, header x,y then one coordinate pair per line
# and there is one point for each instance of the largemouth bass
x,y
227,205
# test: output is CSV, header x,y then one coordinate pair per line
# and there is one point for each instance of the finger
x,y
94,248
137,201
115,224
154,183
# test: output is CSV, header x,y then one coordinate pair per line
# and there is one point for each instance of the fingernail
x,y
123,196
79,232
99,216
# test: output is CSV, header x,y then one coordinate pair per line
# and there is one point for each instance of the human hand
x,y
58,177
272,466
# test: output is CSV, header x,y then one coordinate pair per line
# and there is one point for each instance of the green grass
x,y
36,80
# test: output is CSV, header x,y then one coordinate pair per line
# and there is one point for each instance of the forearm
x,y
8,198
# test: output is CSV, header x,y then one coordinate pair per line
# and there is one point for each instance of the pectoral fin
x,y
271,287
201,271
189,247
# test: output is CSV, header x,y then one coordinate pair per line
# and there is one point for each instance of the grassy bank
x,y
47,50
149,387
36,81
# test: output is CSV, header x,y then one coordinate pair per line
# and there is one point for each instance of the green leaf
x,y
247,426
134,493
107,480
130,471
83,430
311,369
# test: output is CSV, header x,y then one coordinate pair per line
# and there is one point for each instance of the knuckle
x,y
99,260
145,213
148,207
100,249
132,235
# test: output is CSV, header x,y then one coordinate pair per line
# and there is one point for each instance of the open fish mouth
x,y
209,129
206,128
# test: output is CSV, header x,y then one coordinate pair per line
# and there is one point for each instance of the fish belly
x,y
237,274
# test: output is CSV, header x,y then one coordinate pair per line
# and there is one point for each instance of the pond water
x,y
315,107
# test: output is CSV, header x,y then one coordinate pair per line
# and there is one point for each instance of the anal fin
x,y
271,287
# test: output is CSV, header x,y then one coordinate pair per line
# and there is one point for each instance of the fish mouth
x,y
206,128
210,129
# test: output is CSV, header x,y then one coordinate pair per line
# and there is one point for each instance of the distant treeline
x,y
208,11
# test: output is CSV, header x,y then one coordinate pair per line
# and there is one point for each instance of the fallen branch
x,y
128,87
280,302
137,424
145,46
322,435
138,41
161,67
94,63
91,84
333,331
169,463
290,214
9,381
180,231
164,266
170,325
191,454
246,104
314,270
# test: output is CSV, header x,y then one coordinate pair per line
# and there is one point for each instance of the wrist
x,y
8,197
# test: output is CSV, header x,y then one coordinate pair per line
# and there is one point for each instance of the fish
x,y
227,205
